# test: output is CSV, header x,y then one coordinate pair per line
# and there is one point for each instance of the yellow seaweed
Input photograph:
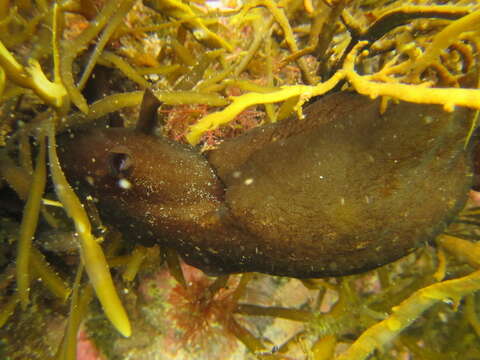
x,y
134,263
68,348
29,224
281,312
174,266
81,297
405,313
279,14
181,11
17,178
240,103
90,251
25,153
113,23
50,279
118,101
110,59
32,77
2,80
448,97
324,348
442,40
463,249
471,313
8,308
70,50
253,344
261,26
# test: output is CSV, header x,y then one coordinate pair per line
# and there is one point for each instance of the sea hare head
x,y
343,191
140,181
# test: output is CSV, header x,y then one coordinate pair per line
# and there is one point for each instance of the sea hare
x,y
342,191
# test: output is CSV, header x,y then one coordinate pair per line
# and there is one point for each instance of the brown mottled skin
x,y
340,192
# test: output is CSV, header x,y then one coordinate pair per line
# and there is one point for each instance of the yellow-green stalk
x,y
29,224
90,250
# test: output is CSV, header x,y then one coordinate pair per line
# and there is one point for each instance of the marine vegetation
x,y
244,90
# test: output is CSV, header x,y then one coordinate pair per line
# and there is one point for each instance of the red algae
x,y
86,348
201,319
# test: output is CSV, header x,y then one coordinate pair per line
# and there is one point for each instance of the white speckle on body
x,y
124,184
248,181
90,180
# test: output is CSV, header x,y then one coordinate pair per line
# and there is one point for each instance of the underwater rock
x,y
342,191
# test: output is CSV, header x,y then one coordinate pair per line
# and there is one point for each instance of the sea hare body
x,y
340,192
